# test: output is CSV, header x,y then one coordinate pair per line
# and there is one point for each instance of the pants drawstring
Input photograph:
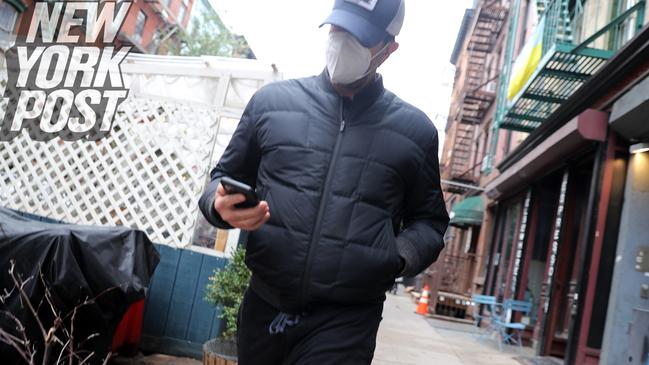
x,y
281,321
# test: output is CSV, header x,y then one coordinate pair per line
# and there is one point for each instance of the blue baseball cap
x,y
370,21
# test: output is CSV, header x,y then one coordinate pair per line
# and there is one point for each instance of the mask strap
x,y
369,70
379,52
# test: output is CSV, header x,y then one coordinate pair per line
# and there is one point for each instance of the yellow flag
x,y
526,63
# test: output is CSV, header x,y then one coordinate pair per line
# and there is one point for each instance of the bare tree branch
x,y
26,352
70,351
10,340
6,295
71,342
20,284
87,358
63,348
90,337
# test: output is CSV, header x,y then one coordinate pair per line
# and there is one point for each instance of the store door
x,y
564,265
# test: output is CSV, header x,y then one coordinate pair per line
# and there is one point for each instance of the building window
x,y
7,17
7,24
627,29
182,11
139,26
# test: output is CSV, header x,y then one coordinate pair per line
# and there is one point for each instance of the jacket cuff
x,y
217,217
409,254
206,205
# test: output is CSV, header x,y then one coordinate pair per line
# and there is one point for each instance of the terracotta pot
x,y
219,352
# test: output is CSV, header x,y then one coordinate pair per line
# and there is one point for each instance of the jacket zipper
x,y
306,278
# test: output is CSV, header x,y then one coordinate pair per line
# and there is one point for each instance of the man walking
x,y
348,176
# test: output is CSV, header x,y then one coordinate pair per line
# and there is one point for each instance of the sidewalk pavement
x,y
406,338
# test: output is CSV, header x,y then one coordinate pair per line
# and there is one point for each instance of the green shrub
x,y
226,288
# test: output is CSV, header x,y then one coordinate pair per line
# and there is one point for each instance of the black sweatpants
x,y
326,334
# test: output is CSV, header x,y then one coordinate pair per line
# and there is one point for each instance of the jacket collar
x,y
363,99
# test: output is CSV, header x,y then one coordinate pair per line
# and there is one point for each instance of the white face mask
x,y
347,60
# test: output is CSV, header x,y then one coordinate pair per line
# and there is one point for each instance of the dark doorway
x,y
564,267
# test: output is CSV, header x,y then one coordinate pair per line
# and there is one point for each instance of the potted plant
x,y
226,288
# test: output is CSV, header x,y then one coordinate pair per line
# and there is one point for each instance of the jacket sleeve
x,y
240,161
425,217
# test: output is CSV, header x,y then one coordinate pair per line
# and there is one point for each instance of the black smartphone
x,y
233,186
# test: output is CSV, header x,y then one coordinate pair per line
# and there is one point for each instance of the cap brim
x,y
366,33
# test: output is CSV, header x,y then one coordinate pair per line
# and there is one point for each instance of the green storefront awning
x,y
468,212
18,4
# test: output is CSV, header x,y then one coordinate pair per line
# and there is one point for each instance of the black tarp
x,y
112,264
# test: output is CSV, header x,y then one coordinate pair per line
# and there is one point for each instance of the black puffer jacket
x,y
341,179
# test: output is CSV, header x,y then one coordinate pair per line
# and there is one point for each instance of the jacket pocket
x,y
371,266
393,247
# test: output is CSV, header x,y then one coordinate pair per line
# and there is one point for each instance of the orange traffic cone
x,y
422,308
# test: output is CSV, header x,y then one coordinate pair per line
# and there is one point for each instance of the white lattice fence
x,y
149,172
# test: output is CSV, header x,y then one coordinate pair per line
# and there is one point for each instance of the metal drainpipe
x,y
502,88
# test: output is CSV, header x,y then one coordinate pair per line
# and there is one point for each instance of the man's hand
x,y
248,219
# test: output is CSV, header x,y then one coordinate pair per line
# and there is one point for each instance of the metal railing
x,y
557,22
564,24
564,28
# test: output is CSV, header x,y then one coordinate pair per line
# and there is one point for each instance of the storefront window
x,y
546,198
513,217
509,221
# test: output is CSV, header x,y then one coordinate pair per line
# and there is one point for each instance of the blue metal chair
x,y
510,332
491,306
